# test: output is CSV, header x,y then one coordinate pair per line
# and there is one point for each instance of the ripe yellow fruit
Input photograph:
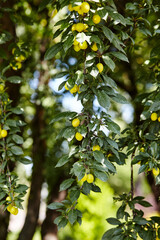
x,y
94,47
79,27
85,26
96,148
75,42
83,45
16,66
20,58
9,207
76,48
8,199
74,89
80,11
66,86
84,178
76,8
1,88
154,116
70,8
14,210
3,133
155,172
109,155
78,136
96,19
142,149
73,27
75,122
158,119
90,178
100,67
85,7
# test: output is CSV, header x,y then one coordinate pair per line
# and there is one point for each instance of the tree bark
x,y
39,150
48,228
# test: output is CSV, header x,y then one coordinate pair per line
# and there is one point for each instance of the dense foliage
x,y
117,62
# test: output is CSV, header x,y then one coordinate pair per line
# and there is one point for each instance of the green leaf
x,y
55,205
142,169
110,166
155,106
17,139
112,126
109,81
11,123
72,216
109,62
62,161
144,203
15,79
78,170
52,51
120,56
68,43
74,195
69,133
119,98
43,4
103,99
101,175
17,150
62,115
62,223
24,160
113,221
21,188
66,184
108,33
17,110
2,195
99,157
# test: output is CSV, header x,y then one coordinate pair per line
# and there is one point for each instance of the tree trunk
x,y
39,150
48,228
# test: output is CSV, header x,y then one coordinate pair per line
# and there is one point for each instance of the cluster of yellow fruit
x,y
78,46
11,207
81,9
75,89
3,133
75,123
88,177
17,64
155,117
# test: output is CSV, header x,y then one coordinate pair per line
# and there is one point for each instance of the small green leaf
x,y
99,157
52,51
21,188
113,221
55,205
114,127
15,79
17,150
120,56
62,161
68,43
62,115
17,110
119,98
66,184
108,33
103,99
109,62
101,175
62,223
17,139
74,195
72,216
